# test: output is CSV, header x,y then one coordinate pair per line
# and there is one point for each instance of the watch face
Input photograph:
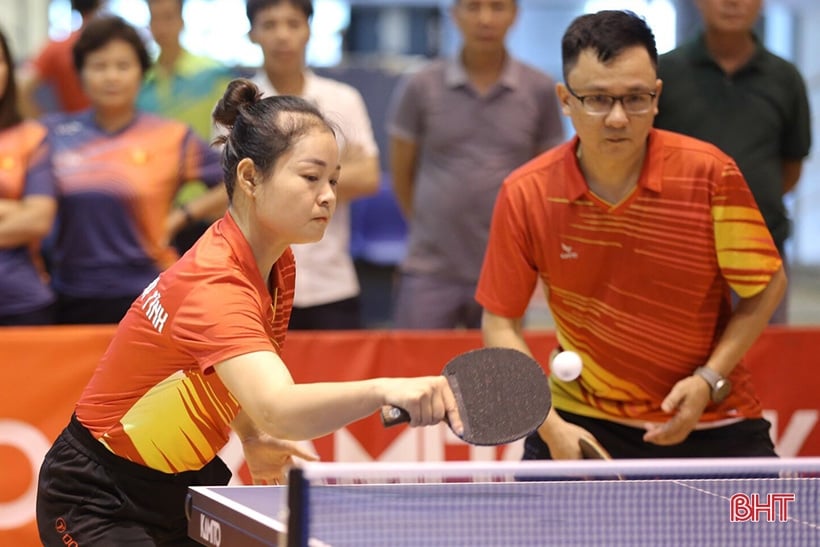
x,y
721,390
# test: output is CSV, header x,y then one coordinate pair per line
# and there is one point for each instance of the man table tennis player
x,y
637,235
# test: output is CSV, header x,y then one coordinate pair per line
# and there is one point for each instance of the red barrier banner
x,y
47,368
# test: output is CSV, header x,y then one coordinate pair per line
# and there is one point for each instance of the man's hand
x,y
562,437
686,401
269,459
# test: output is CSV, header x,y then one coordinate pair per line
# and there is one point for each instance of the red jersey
x,y
154,398
55,65
640,289
22,285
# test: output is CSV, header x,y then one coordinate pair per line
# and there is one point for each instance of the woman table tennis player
x,y
198,352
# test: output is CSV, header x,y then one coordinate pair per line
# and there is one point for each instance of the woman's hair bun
x,y
239,93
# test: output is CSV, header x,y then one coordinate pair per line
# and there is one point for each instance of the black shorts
x,y
747,438
87,495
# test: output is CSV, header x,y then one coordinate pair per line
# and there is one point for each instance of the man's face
x,y
484,23
729,15
615,133
166,21
282,31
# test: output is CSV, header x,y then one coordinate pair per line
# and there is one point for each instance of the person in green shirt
x,y
184,87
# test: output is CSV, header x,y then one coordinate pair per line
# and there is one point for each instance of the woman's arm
x,y
262,384
27,222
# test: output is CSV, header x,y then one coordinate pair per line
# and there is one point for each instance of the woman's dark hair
x,y
9,111
100,31
261,129
607,32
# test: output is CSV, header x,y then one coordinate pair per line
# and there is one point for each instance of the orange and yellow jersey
x,y
154,398
22,288
115,192
640,289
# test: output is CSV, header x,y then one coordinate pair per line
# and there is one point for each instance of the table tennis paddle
x,y
592,450
502,395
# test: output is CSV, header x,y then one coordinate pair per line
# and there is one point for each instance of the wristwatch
x,y
719,385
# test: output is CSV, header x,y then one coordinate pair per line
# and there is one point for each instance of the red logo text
x,y
751,507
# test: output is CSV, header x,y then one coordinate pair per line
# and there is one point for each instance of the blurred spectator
x,y
27,208
117,171
458,127
327,288
185,87
54,67
726,88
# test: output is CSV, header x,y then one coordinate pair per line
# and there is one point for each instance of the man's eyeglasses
x,y
632,103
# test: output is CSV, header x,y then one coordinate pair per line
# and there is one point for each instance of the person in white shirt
x,y
327,288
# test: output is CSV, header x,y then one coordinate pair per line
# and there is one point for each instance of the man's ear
x,y
659,87
563,97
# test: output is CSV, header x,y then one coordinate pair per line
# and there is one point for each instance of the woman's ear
x,y
246,175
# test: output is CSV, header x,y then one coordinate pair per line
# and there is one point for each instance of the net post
x,y
298,507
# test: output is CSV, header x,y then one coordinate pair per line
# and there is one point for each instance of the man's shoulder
x,y
327,86
532,74
431,72
541,165
776,65
690,149
673,61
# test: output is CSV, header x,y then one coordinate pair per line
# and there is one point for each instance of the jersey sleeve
x,y
796,143
200,161
42,183
746,253
405,120
40,178
508,274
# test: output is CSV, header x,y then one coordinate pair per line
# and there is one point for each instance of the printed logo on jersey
x,y
152,306
567,253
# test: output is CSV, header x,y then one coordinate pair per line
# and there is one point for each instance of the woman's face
x,y
112,76
295,203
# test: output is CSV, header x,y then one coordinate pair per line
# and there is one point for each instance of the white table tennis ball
x,y
567,366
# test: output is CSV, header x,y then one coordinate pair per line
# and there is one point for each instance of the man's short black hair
x,y
255,6
607,32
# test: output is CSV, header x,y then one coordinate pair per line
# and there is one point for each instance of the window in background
x,y
61,20
659,14
219,28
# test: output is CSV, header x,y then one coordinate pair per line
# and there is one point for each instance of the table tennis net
x,y
616,503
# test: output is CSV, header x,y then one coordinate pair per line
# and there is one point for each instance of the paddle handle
x,y
393,415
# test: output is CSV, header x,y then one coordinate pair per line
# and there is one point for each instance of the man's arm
x,y
403,156
791,174
750,318
561,436
689,397
359,175
209,206
28,81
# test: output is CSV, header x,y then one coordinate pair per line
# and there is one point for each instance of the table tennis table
x,y
629,503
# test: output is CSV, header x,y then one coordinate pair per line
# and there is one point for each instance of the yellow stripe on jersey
x,y
177,413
